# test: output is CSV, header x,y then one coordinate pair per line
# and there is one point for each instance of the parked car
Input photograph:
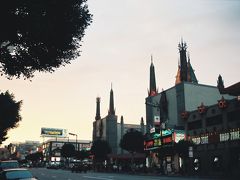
x,y
9,164
79,167
16,173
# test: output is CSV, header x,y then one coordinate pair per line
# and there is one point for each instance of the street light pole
x,y
77,147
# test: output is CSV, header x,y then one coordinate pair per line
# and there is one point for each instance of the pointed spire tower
x,y
191,74
220,83
185,71
111,110
98,116
182,46
152,86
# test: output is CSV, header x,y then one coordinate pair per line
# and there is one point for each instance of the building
x,y
20,150
168,107
52,148
109,129
168,110
215,130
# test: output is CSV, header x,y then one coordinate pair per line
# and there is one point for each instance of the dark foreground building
x,y
215,130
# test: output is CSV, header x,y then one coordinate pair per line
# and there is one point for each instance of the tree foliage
x,y
100,149
68,150
9,114
132,141
35,156
40,35
83,154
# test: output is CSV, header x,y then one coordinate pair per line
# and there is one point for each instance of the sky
x,y
117,49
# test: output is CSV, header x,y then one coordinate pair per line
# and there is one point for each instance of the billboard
x,y
53,132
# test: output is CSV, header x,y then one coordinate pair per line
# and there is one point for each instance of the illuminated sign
x,y
179,135
233,134
152,130
152,144
167,140
52,132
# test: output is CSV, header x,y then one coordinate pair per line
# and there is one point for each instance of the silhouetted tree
x,y
9,114
40,35
100,149
83,154
35,157
68,150
133,142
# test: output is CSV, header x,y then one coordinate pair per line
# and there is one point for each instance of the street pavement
x,y
53,174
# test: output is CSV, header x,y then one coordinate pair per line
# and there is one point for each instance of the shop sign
x,y
178,136
235,135
196,140
224,137
157,142
148,144
152,144
204,139
166,132
167,140
152,130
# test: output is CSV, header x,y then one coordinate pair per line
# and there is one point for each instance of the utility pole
x,y
77,147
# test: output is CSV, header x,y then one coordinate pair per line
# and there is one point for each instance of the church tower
x,y
111,125
98,116
152,86
111,110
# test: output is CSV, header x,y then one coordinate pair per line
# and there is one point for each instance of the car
x,y
79,168
16,173
8,164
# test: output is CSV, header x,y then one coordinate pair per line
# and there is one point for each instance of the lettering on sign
x,y
234,135
204,139
224,137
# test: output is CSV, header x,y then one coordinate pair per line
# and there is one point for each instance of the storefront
x,y
217,153
161,150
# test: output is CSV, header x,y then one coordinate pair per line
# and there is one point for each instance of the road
x,y
52,174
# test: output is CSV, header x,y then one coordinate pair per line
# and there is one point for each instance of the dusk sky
x,y
117,49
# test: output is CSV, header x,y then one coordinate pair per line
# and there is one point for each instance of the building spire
x,y
182,46
152,86
111,110
220,83
191,74
98,116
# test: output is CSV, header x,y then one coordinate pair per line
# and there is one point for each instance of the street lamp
x,y
77,147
